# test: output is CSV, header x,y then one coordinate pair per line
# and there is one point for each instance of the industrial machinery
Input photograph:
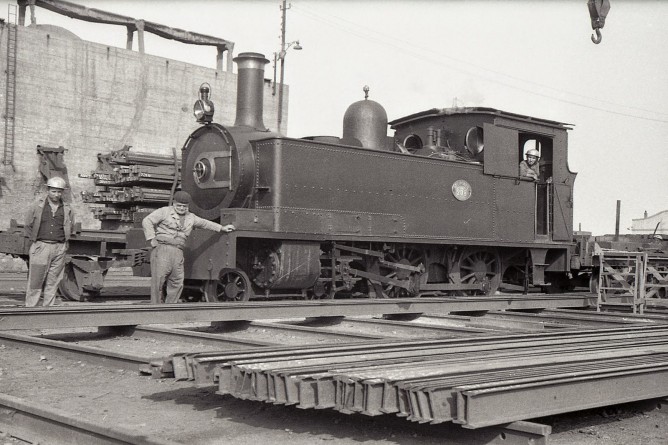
x,y
439,208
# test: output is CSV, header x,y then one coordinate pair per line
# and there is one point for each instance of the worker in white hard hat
x,y
529,167
49,224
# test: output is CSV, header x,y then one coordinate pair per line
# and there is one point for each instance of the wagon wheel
x,y
69,287
606,290
657,273
594,286
654,287
408,256
479,266
233,285
618,280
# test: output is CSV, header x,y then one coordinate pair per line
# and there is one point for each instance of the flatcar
x,y
439,208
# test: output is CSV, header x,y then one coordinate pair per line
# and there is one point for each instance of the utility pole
x,y
282,57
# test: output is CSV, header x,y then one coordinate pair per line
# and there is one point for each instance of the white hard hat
x,y
533,152
57,183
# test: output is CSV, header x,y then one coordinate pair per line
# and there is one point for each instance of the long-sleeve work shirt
x,y
166,226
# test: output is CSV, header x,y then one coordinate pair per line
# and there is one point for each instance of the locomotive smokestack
x,y
250,85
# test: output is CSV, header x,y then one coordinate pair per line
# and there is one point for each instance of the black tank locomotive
x,y
439,208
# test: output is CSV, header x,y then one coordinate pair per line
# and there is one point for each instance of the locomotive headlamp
x,y
203,108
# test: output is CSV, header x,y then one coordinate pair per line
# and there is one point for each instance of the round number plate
x,y
461,190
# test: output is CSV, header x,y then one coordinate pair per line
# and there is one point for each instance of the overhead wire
x,y
428,55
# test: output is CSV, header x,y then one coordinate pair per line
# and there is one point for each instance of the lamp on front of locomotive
x,y
203,108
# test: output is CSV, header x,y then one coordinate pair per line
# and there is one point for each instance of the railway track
x,y
172,350
137,314
31,422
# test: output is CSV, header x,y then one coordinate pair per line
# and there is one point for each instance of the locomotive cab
x,y
499,141
527,210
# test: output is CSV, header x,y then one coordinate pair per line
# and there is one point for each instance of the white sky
x,y
528,57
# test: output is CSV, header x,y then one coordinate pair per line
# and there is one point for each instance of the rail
x,y
141,314
32,422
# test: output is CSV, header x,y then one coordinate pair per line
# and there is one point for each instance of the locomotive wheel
x,y
515,271
480,266
233,285
514,275
409,256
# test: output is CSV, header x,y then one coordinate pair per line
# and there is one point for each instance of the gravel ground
x,y
180,412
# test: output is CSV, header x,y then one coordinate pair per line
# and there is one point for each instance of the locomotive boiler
x,y
439,208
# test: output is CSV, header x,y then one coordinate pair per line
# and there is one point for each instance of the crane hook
x,y
598,37
598,10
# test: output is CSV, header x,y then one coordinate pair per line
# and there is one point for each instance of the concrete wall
x,y
92,98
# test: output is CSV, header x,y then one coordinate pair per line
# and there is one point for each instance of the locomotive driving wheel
x,y
479,266
233,285
410,256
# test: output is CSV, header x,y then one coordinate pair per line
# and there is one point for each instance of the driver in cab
x,y
529,167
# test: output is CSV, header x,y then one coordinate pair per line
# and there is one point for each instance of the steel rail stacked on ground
x,y
204,368
131,185
465,381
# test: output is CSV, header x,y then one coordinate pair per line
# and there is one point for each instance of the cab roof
x,y
435,112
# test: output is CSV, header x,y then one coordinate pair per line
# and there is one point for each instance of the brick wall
x,y
92,98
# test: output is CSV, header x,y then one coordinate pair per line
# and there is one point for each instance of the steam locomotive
x,y
440,208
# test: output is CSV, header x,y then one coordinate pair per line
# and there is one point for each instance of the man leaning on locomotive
x,y
167,230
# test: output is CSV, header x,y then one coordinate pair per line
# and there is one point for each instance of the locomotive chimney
x,y
250,85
